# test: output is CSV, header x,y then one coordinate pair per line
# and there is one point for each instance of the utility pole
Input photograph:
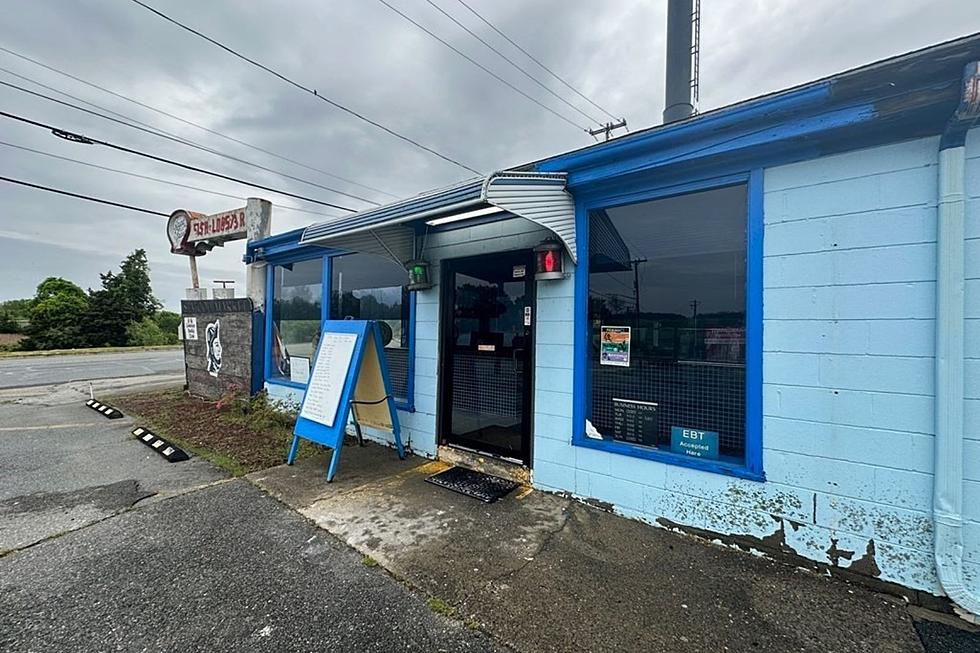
x,y
694,315
635,264
608,128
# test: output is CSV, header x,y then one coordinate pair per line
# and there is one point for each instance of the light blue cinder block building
x,y
760,324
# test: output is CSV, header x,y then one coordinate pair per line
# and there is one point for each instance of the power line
x,y
80,138
535,60
150,129
156,179
509,60
83,197
312,91
478,65
188,122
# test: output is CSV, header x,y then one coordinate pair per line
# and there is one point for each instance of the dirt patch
x,y
10,340
241,436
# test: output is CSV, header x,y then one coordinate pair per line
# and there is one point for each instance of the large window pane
x,y
366,287
297,296
667,318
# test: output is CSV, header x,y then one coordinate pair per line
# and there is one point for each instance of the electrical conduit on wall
x,y
950,295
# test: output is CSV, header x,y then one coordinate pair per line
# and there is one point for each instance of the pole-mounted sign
x,y
195,234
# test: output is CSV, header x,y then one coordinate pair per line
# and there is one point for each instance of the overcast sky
x,y
363,55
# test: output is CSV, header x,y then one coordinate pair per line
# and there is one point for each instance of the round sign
x,y
386,333
178,229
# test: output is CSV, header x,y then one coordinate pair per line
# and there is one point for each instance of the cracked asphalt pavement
x,y
106,546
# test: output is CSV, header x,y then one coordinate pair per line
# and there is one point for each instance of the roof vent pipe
x,y
677,90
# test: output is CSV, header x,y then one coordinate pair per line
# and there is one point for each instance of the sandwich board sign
x,y
349,374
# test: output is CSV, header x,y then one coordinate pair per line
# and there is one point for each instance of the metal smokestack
x,y
677,90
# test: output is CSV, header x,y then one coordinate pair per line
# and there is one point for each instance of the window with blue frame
x,y
667,325
297,295
368,287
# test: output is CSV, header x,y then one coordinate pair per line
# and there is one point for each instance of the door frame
x,y
448,267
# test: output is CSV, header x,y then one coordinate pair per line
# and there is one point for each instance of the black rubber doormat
x,y
478,485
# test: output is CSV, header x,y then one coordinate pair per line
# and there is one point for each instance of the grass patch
x,y
368,561
439,606
92,350
239,434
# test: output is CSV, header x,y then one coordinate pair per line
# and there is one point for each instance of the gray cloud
x,y
365,56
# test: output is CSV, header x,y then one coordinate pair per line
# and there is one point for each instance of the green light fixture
x,y
418,275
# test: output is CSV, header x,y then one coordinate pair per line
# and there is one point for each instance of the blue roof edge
x,y
906,96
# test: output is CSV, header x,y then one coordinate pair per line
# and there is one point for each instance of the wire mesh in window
x,y
668,278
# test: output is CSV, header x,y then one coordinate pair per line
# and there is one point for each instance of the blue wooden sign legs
x,y
293,448
334,458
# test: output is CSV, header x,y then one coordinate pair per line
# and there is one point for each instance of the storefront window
x,y
667,322
367,287
297,296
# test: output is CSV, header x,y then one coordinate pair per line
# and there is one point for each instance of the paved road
x,y
41,370
104,546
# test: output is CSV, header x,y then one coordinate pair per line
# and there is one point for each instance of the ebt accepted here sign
x,y
692,442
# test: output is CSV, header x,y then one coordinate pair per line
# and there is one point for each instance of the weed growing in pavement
x,y
439,606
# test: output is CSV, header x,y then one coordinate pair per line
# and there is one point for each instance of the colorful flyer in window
x,y
614,346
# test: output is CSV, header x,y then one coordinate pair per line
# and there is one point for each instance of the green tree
x,y
17,311
124,299
145,333
7,323
56,315
169,322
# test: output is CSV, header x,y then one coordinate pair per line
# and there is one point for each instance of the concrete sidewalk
x,y
545,573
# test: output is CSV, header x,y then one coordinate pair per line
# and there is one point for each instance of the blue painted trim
x,y
766,107
751,140
581,376
287,384
581,383
326,288
662,456
258,352
409,404
753,323
270,298
284,248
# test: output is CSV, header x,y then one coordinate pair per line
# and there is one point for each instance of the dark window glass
x,y
297,295
367,287
673,272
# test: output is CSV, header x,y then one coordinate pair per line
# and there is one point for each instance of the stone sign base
x,y
218,336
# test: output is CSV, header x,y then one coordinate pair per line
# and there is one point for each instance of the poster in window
x,y
614,346
299,369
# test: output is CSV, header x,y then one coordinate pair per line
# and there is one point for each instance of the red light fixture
x,y
549,261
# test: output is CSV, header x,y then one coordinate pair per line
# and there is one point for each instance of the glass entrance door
x,y
488,308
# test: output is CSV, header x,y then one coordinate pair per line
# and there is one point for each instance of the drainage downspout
x,y
948,481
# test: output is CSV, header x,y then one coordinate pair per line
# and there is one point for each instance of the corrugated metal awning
x,y
538,197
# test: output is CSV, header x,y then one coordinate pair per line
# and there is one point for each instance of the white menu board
x,y
328,378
